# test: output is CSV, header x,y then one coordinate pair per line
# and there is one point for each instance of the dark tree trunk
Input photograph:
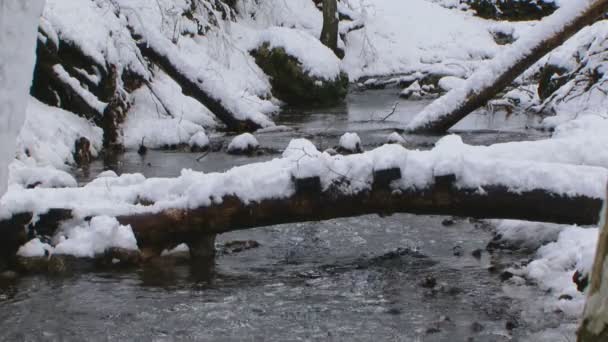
x,y
329,34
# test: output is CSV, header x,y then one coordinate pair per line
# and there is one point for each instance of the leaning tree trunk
x,y
499,73
329,34
18,27
595,321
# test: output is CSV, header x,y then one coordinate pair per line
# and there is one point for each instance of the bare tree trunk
x,y
595,321
446,111
329,34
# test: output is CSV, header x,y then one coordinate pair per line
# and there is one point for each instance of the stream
x,y
370,278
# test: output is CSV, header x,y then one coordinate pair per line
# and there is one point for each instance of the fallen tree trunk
x,y
197,227
490,79
191,87
595,321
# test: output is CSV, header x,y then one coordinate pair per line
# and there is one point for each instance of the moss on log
x,y
292,84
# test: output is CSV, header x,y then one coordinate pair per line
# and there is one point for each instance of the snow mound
x,y
94,237
395,138
35,248
350,142
199,140
243,143
317,59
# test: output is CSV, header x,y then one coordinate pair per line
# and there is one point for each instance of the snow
x,y
350,142
35,248
87,96
413,35
84,240
316,59
49,134
115,196
199,140
94,237
395,138
18,27
243,142
490,72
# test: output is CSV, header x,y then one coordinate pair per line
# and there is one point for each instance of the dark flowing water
x,y
355,279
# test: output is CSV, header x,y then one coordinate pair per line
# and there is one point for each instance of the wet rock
x,y
82,152
454,291
477,253
476,327
119,257
503,38
513,10
199,142
244,144
429,282
349,143
511,324
433,330
581,280
142,150
394,311
551,78
292,84
232,247
447,222
506,275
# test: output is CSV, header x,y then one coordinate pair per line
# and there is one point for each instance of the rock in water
x,y
199,142
243,144
349,143
292,84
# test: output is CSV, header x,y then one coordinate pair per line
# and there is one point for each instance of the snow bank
x,y
409,36
489,72
18,27
49,134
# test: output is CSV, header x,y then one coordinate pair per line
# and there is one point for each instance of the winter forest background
x,y
209,170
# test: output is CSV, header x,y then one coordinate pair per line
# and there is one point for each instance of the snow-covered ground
x,y
398,37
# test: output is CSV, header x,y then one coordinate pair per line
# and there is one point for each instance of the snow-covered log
x,y
595,321
499,73
18,25
196,87
308,185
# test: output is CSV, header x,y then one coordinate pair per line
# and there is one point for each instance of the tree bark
x,y
190,87
329,34
456,104
197,226
595,321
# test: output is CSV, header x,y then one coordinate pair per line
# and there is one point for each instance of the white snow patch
x,y
243,142
35,248
94,237
350,142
